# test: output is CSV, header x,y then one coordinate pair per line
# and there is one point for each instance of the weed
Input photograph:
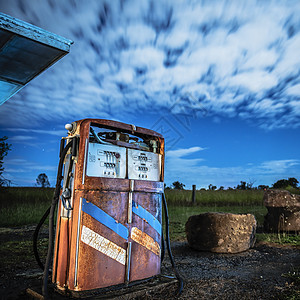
x,y
279,238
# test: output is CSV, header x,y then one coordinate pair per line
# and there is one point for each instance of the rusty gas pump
x,y
109,216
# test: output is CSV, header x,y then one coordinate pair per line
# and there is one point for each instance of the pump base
x,y
132,290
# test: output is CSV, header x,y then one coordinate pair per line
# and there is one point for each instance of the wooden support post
x,y
194,194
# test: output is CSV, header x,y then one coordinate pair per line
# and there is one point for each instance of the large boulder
x,y
283,211
221,232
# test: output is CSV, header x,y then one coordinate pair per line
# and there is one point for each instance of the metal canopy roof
x,y
25,52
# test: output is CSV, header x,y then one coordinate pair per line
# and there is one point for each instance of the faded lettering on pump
x,y
145,240
103,245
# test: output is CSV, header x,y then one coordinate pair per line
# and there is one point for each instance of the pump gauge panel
x,y
106,161
143,165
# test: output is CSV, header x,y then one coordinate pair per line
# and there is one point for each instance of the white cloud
x,y
235,53
294,90
39,131
275,165
253,81
261,60
182,152
20,138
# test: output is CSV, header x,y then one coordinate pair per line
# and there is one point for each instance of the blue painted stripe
x,y
102,217
144,214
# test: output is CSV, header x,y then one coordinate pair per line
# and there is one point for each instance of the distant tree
x,y
178,185
284,183
221,188
4,148
263,187
42,180
212,187
244,185
293,182
250,184
281,184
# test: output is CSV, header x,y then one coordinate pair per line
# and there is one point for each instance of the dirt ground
x,y
259,273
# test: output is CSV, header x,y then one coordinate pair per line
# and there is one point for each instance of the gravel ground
x,y
254,274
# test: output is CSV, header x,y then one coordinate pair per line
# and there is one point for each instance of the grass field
x,y
23,206
215,198
26,205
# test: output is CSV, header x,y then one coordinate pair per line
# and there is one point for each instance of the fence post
x,y
194,194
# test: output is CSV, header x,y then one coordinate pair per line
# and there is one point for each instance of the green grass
x,y
23,206
26,205
279,238
215,198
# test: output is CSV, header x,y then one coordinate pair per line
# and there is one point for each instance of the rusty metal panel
x,y
146,263
63,252
115,225
105,270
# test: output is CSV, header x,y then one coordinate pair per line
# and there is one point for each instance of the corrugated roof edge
x,y
33,32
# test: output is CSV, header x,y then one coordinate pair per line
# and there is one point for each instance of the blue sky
x,y
220,80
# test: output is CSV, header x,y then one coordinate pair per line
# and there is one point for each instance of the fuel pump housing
x,y
109,216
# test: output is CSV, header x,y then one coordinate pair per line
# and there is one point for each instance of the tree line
x,y
243,185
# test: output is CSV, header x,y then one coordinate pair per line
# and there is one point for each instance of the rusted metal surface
x,y
63,252
104,224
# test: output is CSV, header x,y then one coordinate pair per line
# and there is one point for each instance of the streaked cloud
x,y
182,152
237,59
38,131
23,165
282,165
20,138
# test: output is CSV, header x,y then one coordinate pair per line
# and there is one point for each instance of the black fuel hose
x,y
35,238
179,278
162,246
51,218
